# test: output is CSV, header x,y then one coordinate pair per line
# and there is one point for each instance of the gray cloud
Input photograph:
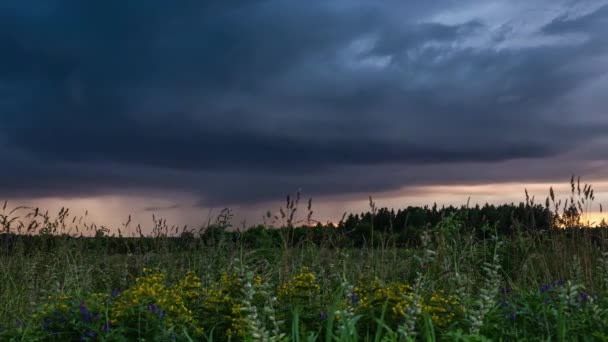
x,y
240,103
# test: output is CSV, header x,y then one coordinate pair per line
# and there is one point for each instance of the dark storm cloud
x,y
227,101
592,21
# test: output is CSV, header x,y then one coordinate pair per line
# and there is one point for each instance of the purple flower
x,y
584,296
87,335
116,292
544,288
323,316
353,298
46,323
561,282
106,328
86,315
513,316
161,314
153,308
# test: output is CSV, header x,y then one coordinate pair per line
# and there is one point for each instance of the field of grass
x,y
451,283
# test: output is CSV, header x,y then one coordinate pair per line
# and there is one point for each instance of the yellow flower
x,y
303,285
150,290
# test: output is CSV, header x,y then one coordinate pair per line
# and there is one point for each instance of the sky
x,y
183,108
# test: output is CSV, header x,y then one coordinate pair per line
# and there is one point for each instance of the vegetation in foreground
x,y
448,281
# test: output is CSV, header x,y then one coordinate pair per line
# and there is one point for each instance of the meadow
x,y
534,273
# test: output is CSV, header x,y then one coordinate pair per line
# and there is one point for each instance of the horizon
x,y
139,213
185,109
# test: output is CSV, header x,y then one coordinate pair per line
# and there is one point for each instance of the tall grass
x,y
531,283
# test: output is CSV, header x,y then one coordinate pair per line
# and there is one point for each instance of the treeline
x,y
505,218
383,226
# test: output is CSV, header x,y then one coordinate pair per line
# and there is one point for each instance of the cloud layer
x,y
240,103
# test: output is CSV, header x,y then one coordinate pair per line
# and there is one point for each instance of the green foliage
x,y
467,274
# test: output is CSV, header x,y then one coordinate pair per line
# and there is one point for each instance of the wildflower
x,y
323,316
584,296
46,323
116,292
353,298
303,285
106,328
513,316
87,335
86,315
150,292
